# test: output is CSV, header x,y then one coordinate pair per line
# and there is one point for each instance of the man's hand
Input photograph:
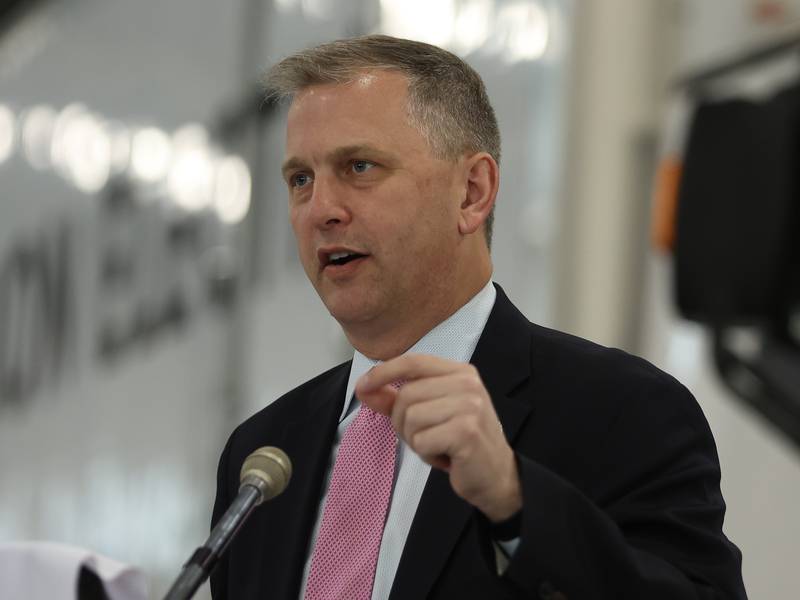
x,y
444,413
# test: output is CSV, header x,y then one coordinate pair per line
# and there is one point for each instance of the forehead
x,y
371,108
368,87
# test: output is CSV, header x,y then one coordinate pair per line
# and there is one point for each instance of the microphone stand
x,y
202,562
265,474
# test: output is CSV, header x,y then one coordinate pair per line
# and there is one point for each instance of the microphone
x,y
264,475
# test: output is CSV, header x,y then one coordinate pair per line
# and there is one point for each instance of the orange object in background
x,y
665,203
770,11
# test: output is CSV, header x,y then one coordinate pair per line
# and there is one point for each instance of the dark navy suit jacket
x,y
619,472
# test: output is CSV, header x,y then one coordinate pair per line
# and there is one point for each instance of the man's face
x,y
374,212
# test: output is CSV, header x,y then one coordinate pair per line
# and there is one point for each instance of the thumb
x,y
381,400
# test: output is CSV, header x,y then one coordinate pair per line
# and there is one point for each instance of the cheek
x,y
298,221
438,213
301,232
420,241
440,187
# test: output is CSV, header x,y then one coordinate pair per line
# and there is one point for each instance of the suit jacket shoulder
x,y
620,481
619,470
294,403
602,387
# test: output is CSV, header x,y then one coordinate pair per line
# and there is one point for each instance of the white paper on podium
x,y
49,571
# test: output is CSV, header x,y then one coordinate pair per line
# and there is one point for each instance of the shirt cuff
x,y
507,530
503,552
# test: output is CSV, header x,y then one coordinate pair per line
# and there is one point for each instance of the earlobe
x,y
482,178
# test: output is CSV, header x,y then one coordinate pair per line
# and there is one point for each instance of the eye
x,y
362,166
299,180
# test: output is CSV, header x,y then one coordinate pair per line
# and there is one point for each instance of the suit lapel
x,y
502,357
288,523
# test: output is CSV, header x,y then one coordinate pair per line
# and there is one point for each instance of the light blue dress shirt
x,y
454,339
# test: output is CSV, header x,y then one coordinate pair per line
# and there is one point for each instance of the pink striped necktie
x,y
346,552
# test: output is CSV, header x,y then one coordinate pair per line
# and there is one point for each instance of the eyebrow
x,y
339,154
291,164
359,150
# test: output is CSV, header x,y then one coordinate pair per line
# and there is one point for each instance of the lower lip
x,y
344,270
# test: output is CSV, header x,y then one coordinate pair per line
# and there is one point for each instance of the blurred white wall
x,y
115,450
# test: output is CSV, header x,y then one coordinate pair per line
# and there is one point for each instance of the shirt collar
x,y
455,338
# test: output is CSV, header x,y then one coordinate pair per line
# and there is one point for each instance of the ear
x,y
482,179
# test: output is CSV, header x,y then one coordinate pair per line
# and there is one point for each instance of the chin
x,y
349,310
350,318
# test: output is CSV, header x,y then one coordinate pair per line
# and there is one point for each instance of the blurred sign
x,y
154,270
34,311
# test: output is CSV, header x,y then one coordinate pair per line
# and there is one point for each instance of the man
x,y
464,452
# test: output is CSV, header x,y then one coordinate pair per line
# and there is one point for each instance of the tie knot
x,y
372,423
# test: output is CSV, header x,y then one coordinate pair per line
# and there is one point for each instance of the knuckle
x,y
412,416
465,379
474,379
470,427
475,402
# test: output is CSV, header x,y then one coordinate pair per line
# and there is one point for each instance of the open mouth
x,y
342,258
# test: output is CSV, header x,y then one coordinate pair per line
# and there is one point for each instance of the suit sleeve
x,y
219,576
651,527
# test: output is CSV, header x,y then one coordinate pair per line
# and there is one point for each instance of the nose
x,y
329,206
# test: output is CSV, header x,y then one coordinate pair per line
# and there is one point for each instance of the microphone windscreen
x,y
270,465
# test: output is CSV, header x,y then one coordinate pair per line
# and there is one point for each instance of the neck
x,y
390,338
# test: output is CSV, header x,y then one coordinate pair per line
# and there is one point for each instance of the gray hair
x,y
447,100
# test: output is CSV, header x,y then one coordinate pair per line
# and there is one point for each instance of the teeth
x,y
338,255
